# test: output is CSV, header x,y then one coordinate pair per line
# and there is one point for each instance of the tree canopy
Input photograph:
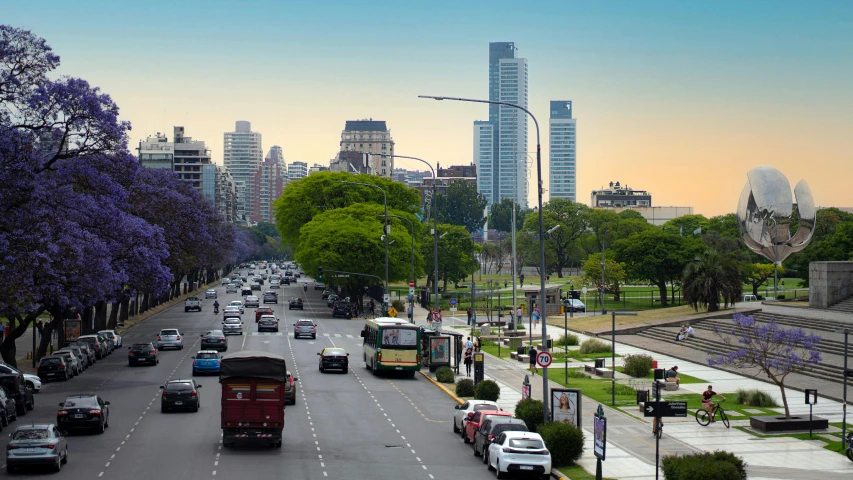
x,y
462,205
500,215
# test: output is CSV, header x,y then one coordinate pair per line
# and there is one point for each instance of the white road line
x,y
338,335
349,336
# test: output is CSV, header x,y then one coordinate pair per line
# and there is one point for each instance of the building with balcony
x,y
297,170
619,196
267,185
371,137
242,155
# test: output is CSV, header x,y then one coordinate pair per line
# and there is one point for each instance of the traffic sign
x,y
392,312
584,290
453,301
543,359
386,298
411,284
665,409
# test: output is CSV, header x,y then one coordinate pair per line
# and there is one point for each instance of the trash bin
x,y
642,396
550,344
599,363
520,350
659,374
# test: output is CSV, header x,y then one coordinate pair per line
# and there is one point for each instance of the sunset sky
x,y
678,98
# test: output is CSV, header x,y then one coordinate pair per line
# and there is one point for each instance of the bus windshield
x,y
399,337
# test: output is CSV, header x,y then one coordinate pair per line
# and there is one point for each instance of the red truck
x,y
253,399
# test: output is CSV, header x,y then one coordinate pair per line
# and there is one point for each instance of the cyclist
x,y
707,404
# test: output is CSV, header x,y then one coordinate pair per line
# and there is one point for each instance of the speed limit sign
x,y
543,359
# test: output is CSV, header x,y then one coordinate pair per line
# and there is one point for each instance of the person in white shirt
x,y
469,344
690,331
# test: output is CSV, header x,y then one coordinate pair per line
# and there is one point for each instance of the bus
x,y
392,344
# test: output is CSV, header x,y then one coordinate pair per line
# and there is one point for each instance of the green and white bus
x,y
392,344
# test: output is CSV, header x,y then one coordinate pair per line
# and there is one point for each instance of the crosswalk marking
x,y
349,336
267,333
326,335
338,335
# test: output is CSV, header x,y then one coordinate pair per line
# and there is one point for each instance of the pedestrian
x,y
682,334
469,344
470,315
468,360
535,317
672,376
372,307
476,344
533,353
505,283
411,313
690,332
519,316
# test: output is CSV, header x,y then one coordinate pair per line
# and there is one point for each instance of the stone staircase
x,y
845,306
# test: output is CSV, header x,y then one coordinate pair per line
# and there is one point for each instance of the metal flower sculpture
x,y
764,214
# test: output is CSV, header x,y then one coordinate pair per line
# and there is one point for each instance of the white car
x,y
112,334
32,381
519,452
237,303
252,301
210,293
462,411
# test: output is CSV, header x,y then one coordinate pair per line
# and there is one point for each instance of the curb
x,y
443,388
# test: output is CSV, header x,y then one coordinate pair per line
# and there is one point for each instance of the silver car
x,y
232,288
170,338
69,357
36,445
210,293
112,334
252,301
232,326
304,328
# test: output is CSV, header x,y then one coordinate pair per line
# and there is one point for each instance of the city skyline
x,y
677,99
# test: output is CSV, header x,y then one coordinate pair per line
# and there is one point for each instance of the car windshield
x,y
80,402
235,303
335,351
230,321
168,332
267,319
214,333
178,386
142,346
207,356
526,443
399,337
31,434
508,427
305,323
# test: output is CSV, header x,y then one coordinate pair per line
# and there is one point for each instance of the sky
x,y
674,97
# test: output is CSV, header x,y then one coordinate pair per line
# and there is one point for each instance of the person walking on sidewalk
x,y
519,317
469,344
533,353
470,315
468,360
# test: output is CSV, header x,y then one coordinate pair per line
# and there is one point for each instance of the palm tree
x,y
710,276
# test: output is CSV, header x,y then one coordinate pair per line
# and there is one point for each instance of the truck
x,y
192,303
253,397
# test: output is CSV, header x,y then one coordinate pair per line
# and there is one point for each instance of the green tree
x,y
832,241
657,256
561,244
755,274
500,215
686,225
614,274
462,205
605,227
267,229
725,225
454,254
709,277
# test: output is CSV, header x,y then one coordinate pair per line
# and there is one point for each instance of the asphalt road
x,y
345,426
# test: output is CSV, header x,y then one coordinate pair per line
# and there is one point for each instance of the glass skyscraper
x,y
561,149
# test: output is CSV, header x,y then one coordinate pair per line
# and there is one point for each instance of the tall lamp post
x,y
775,261
412,226
543,299
385,233
434,222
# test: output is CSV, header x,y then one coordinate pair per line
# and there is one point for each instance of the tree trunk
x,y
663,293
113,316
16,328
784,400
123,311
57,323
143,306
87,315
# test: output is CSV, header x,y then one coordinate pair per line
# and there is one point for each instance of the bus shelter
x,y
441,349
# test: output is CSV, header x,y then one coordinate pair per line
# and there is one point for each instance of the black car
x,y
343,309
140,353
295,302
8,408
285,281
86,411
180,394
214,340
491,428
16,386
334,358
54,367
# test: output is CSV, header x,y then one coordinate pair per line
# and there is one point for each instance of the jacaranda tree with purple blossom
x,y
773,350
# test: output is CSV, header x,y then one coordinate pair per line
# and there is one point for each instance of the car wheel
x,y
31,405
162,409
194,373
314,336
476,453
498,473
485,455
65,457
489,466
195,408
100,428
455,428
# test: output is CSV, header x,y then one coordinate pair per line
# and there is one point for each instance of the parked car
x,y
343,309
54,368
334,358
87,349
206,361
490,429
575,305
107,342
36,444
261,311
233,326
462,411
519,452
192,303
210,293
180,394
268,323
112,334
16,387
87,411
31,381
270,297
475,420
252,302
9,408
214,339
232,288
304,328
96,344
295,302
290,389
170,338
140,353
71,359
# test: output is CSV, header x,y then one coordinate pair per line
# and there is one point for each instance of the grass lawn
x,y
833,446
684,378
576,472
577,355
493,350
597,389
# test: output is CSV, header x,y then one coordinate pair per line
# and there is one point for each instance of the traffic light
x,y
319,273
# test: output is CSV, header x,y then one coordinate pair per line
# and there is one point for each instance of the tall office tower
x,y
369,136
242,155
267,185
561,149
507,177
276,155
297,170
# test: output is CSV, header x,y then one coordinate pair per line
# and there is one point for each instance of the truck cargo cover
x,y
254,364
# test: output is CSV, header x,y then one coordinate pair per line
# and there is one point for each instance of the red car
x,y
260,311
475,419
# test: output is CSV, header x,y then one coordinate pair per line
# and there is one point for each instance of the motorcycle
x,y
216,309
304,288
850,446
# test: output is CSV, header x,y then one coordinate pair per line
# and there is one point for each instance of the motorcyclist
x,y
215,306
304,287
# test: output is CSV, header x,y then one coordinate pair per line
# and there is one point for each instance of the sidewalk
x,y
631,446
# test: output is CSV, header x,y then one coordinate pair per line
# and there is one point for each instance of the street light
x,y
543,299
385,233
413,240
775,260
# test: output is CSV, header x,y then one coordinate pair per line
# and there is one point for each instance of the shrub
x,y
445,375
564,441
569,339
594,346
755,398
399,306
487,390
488,343
577,373
638,366
719,465
465,388
531,412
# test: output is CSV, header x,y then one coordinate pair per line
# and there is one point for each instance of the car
x,y
519,452
462,411
252,301
285,281
96,344
575,305
290,389
107,341
180,394
268,323
231,312
75,350
170,338
232,288
239,304
9,408
245,291
304,328
475,419
206,361
214,339
30,380
295,302
192,303
112,334
36,444
331,299
255,286
16,387
334,358
71,359
325,293
490,429
319,286
225,281
87,349
54,368
210,293
275,283
261,311
270,297
232,325
343,309
87,411
140,353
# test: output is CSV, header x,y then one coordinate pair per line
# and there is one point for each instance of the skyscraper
x,y
561,149
242,155
267,185
506,177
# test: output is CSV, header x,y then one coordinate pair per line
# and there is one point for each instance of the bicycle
x,y
704,419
